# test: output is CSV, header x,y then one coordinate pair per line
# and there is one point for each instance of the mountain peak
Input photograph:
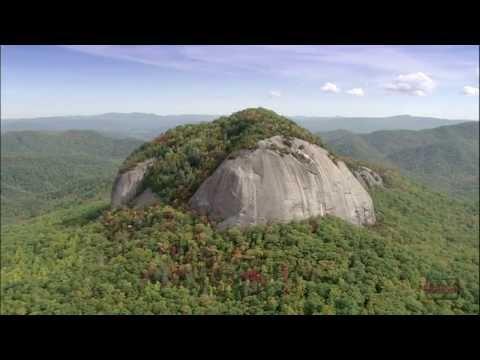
x,y
256,165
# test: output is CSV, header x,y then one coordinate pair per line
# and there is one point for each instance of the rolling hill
x,y
444,158
41,170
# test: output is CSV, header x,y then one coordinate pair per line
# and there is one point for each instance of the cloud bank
x,y
417,84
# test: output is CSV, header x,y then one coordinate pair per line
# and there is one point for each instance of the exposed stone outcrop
x,y
283,179
127,185
145,199
367,177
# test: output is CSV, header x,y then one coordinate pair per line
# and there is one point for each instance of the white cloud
x,y
470,90
419,93
417,84
275,93
356,92
330,87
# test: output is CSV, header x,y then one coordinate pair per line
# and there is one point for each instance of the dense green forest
x,y
88,259
445,158
43,171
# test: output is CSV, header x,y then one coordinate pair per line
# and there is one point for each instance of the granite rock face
x,y
283,179
127,185
368,177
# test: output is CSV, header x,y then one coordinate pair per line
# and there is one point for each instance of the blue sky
x,y
374,80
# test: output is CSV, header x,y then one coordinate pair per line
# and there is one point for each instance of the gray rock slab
x,y
283,179
127,185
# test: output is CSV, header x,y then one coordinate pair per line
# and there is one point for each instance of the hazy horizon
x,y
206,114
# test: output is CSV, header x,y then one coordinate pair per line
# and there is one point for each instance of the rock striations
x,y
282,179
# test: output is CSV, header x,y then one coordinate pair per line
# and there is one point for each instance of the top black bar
x,y
243,24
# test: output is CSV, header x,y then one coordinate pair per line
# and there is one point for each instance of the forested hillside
x,y
161,260
41,171
188,154
444,158
164,259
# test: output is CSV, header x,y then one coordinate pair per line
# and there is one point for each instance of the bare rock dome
x,y
283,179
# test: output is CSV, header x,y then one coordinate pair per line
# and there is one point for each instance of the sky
x,y
310,80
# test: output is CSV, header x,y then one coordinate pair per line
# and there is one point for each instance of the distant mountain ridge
x,y
137,125
147,126
445,158
370,124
